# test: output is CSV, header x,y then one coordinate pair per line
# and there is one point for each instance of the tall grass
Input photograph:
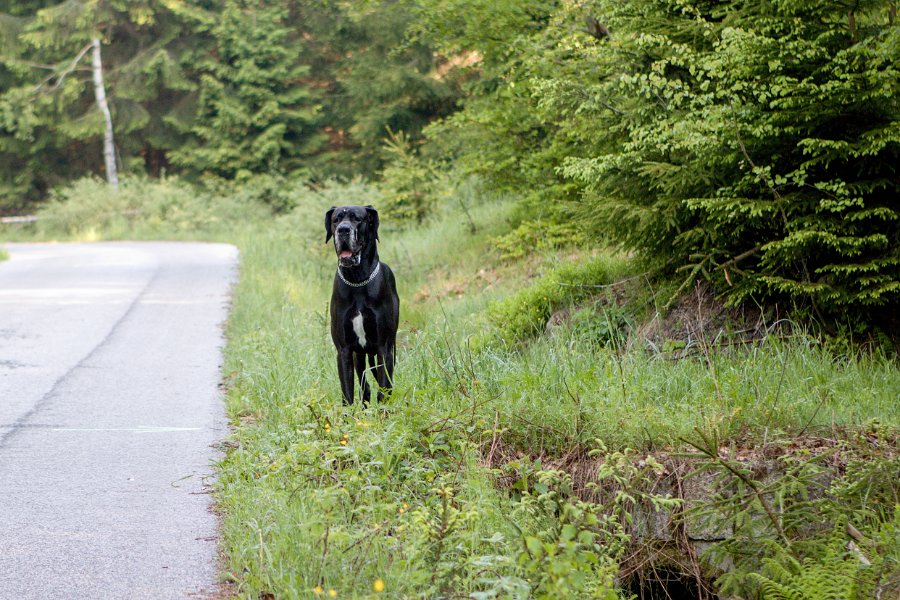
x,y
318,496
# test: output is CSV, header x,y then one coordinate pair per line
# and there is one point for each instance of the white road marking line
x,y
138,429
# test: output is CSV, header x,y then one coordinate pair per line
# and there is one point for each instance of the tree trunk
x,y
109,148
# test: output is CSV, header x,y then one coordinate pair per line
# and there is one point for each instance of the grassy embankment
x,y
457,485
509,464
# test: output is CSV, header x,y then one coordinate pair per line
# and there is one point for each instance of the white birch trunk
x,y
109,148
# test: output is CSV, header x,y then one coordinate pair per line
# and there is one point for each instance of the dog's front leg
x,y
346,373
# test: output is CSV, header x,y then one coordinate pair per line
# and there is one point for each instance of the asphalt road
x,y
110,359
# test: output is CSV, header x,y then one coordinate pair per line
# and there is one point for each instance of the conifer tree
x,y
257,112
753,144
759,147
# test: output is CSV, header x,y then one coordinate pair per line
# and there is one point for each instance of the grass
x,y
322,497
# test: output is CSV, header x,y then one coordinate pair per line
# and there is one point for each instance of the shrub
x,y
537,235
140,208
408,182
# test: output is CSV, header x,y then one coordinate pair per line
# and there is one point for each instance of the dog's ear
x,y
373,219
328,223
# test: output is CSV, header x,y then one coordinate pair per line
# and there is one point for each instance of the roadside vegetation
x,y
514,463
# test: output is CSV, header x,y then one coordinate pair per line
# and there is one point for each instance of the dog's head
x,y
355,228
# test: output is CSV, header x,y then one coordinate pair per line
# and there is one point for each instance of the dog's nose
x,y
343,229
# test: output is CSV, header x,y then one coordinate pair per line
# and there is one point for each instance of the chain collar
x,y
362,283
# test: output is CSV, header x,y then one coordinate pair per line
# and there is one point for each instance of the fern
x,y
837,574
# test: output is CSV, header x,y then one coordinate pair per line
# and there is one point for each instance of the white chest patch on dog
x,y
358,329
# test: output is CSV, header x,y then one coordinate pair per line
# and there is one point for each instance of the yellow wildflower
x,y
378,585
318,590
332,593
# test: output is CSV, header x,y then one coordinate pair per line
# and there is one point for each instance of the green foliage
x,y
387,82
525,314
749,144
142,208
500,134
796,532
575,551
409,182
835,572
577,546
538,236
604,323
756,148
50,129
254,116
229,90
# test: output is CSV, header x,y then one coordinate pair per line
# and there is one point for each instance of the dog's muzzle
x,y
346,244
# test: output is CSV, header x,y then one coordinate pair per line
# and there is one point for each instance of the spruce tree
x,y
257,112
753,144
387,80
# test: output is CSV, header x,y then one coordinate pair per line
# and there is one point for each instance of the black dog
x,y
365,307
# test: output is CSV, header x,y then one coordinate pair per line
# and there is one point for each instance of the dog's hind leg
x,y
360,360
345,373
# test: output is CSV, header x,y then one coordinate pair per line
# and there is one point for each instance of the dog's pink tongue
x,y
346,254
